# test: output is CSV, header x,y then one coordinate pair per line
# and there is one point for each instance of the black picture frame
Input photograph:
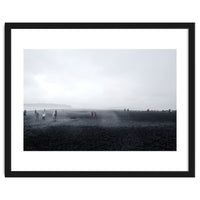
x,y
191,97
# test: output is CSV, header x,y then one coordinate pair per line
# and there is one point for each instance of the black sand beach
x,y
76,130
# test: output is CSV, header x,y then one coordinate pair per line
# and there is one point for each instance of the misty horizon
x,y
101,79
46,106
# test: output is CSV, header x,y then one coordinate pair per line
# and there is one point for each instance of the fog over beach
x,y
100,100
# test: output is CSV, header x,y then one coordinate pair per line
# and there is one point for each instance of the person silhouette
x,y
55,115
36,116
43,115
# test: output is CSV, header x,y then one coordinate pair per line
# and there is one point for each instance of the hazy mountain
x,y
41,106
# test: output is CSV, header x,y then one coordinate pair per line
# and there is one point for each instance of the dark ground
x,y
109,131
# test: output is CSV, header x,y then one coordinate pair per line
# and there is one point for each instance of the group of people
x,y
93,114
37,115
43,115
54,115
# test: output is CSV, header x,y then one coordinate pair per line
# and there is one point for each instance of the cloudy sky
x,y
134,79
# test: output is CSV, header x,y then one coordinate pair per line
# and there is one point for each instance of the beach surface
x,y
110,130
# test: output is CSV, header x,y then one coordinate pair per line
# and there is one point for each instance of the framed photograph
x,y
99,99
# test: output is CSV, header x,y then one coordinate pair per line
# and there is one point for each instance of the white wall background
x,y
101,11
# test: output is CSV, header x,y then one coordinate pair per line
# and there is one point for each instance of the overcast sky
x,y
134,79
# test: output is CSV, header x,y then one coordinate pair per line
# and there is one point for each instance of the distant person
x,y
95,113
24,113
55,115
148,110
35,111
128,109
43,115
92,114
36,116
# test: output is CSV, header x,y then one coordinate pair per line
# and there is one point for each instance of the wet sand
x,y
76,130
